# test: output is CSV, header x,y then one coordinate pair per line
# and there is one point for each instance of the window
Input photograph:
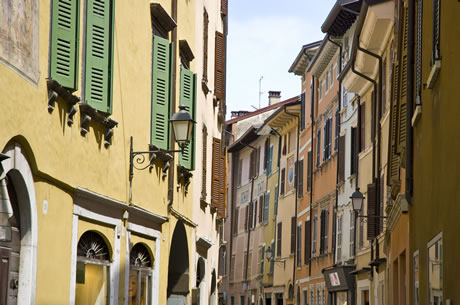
x,y
252,164
261,207
242,300
331,78
307,250
279,239
354,151
246,217
232,300
140,275
327,81
269,160
339,238
305,297
344,97
232,268
266,207
249,268
320,93
92,272
235,220
315,224
327,143
261,259
362,126
283,181
324,223
254,214
434,268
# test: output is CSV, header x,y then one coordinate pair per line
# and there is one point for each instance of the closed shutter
x,y
205,45
436,53
257,161
275,204
252,164
293,228
402,126
302,111
309,169
326,231
283,180
98,54
324,139
371,211
222,205
394,157
236,220
266,152
318,147
266,207
381,203
299,246
300,179
418,52
321,230
219,69
307,250
342,159
204,162
216,178
384,87
224,7
354,151
160,92
278,241
246,217
187,98
254,214
64,43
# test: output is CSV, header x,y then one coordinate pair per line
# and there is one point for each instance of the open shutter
x,y
293,228
307,254
300,179
381,203
224,7
283,180
218,187
309,170
279,238
246,217
362,125
302,111
322,228
326,230
354,151
394,157
160,92
64,43
219,68
275,203
98,57
204,162
371,211
261,207
187,98
342,159
236,220
402,126
266,207
222,203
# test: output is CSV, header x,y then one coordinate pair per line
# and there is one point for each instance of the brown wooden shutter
x,y
252,164
204,162
307,254
300,178
309,169
283,180
354,151
257,161
402,126
222,201
236,220
216,178
381,202
279,237
261,207
322,231
371,211
393,155
293,228
219,66
224,7
246,217
342,159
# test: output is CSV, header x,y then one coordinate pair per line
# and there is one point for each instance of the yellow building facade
x,y
80,80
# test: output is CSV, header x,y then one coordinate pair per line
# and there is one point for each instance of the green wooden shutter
x,y
64,43
187,98
159,135
98,54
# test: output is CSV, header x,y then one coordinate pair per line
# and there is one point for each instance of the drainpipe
x,y
249,228
296,195
377,115
279,175
235,156
173,101
334,215
312,115
410,102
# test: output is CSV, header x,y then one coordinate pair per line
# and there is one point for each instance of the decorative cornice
x,y
55,90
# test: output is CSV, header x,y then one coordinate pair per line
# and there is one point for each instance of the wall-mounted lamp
x,y
357,199
269,255
182,126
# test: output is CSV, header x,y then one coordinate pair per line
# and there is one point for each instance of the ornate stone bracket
x,y
55,90
89,113
185,174
162,156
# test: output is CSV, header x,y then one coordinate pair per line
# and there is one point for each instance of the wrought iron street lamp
x,y
357,199
269,254
182,126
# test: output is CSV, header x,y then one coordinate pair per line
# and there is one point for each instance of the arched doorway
x,y
178,271
18,193
140,275
200,280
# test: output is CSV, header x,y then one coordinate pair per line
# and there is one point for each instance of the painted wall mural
x,y
19,37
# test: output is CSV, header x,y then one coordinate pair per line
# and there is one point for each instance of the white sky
x,y
264,39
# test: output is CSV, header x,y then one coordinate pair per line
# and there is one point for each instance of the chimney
x,y
274,97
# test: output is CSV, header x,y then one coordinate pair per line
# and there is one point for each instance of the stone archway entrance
x,y
178,271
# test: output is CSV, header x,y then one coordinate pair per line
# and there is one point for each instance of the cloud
x,y
264,46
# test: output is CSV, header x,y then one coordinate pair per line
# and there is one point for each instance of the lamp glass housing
x,y
182,125
269,254
357,200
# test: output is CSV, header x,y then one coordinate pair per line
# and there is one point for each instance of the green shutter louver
x,y
98,54
64,43
160,92
187,98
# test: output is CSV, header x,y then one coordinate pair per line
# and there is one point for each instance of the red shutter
x,y
371,211
219,66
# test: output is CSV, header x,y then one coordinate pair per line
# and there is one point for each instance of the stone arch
x,y
178,270
19,173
